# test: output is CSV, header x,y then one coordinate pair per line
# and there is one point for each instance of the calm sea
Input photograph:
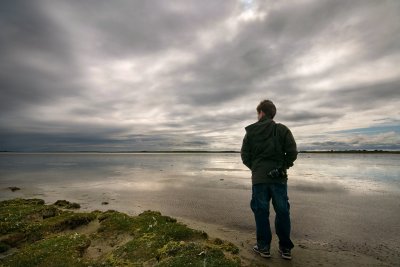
x,y
149,171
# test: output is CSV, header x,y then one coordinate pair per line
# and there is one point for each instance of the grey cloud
x,y
80,141
302,117
32,87
218,78
35,57
49,47
24,25
196,143
260,51
363,97
137,27
54,142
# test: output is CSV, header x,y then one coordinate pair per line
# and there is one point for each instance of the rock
x,y
74,206
66,204
104,203
49,212
61,203
14,188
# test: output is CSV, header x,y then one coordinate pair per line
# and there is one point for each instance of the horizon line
x,y
204,151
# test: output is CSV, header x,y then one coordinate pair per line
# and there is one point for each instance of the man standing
x,y
268,150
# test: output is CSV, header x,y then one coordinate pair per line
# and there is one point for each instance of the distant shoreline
x,y
201,152
352,152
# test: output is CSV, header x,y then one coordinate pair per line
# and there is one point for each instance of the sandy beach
x,y
328,228
334,231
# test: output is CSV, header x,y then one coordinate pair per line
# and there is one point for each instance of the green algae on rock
x,y
40,235
29,220
66,204
62,250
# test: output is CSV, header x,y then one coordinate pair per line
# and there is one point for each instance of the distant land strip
x,y
211,152
352,151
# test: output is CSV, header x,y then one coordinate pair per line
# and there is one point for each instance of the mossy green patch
x,y
63,250
164,227
30,220
162,238
112,222
151,239
150,231
226,246
194,254
17,213
65,220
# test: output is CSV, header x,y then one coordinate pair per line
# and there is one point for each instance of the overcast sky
x,y
160,75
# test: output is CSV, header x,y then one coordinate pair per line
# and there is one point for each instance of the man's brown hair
x,y
268,108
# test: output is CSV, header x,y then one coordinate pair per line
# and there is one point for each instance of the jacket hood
x,y
265,125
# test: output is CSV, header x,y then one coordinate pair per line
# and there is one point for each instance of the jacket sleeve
x,y
290,149
245,152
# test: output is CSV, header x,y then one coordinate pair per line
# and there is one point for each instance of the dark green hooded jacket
x,y
268,145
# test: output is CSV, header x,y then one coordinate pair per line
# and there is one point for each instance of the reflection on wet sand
x,y
344,197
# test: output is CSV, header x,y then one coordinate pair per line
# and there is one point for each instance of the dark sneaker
x,y
263,252
285,253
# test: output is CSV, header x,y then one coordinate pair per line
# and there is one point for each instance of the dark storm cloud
x,y
233,68
38,60
302,117
25,26
54,142
369,96
31,142
265,48
35,57
157,75
124,27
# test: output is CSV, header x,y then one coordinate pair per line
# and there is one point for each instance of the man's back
x,y
267,146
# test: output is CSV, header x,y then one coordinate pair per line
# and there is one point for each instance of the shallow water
x,y
154,172
355,173
211,187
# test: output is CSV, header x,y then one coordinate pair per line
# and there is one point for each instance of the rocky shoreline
x,y
35,234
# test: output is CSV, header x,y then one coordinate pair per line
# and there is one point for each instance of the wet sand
x,y
344,208
330,225
328,229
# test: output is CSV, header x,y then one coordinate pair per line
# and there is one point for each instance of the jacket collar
x,y
263,121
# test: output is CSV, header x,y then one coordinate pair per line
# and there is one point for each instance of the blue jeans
x,y
261,195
